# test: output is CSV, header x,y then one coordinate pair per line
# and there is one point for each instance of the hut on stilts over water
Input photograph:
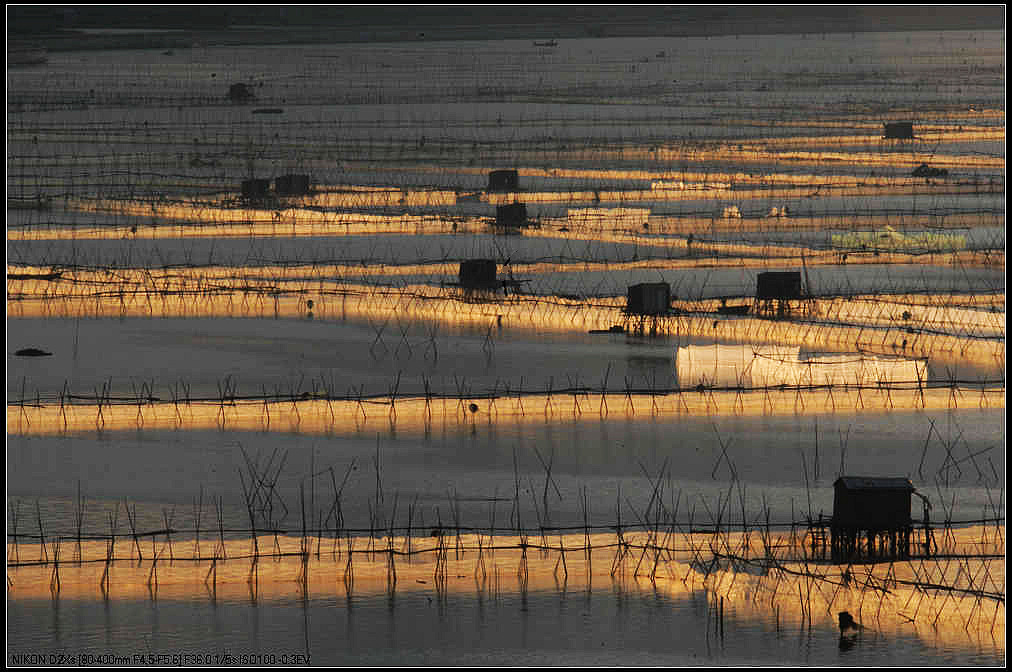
x,y
871,519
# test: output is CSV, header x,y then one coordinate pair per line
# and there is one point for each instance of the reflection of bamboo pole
x,y
54,581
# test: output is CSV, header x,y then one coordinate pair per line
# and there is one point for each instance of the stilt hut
x,y
871,519
899,130
240,93
503,180
775,290
477,274
649,298
512,215
648,303
291,185
255,188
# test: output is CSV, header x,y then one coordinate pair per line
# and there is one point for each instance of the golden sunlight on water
x,y
933,598
345,416
695,162
843,325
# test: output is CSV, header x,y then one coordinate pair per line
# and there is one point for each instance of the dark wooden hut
x,y
503,180
776,289
871,518
240,93
511,215
255,188
899,130
783,285
649,298
478,274
291,185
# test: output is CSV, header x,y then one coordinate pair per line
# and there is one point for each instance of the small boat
x,y
548,43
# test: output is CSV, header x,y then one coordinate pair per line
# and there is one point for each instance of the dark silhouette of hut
x,y
255,188
647,302
871,518
899,130
503,180
240,93
291,185
477,274
649,298
511,215
775,290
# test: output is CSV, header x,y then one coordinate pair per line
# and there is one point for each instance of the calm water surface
x,y
622,626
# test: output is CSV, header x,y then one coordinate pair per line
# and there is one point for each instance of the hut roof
x,y
874,483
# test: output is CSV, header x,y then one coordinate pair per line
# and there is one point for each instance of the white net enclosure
x,y
722,365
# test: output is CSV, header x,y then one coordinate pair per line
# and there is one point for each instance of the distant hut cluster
x,y
284,185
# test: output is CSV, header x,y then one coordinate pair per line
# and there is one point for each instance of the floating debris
x,y
32,352
924,170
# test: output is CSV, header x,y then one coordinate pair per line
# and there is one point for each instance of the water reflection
x,y
636,625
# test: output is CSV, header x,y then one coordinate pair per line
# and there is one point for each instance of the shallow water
x,y
632,625
788,464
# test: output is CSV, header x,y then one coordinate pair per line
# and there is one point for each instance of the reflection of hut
x,y
899,130
477,274
239,93
292,185
777,288
503,180
871,518
924,170
511,215
255,188
649,298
